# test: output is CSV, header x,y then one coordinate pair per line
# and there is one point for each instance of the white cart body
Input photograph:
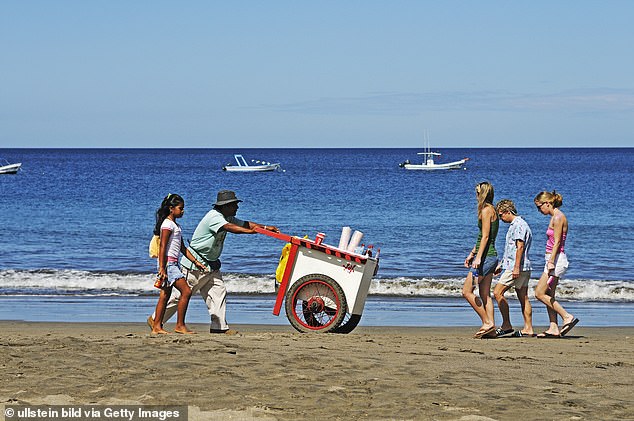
x,y
352,272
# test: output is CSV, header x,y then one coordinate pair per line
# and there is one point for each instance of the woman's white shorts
x,y
561,265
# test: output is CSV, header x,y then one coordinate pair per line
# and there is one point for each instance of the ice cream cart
x,y
324,288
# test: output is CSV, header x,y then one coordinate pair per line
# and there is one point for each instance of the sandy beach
x,y
273,373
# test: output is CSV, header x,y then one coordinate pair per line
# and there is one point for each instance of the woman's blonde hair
x,y
485,194
553,198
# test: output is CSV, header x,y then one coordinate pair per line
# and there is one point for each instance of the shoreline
x,y
271,372
252,309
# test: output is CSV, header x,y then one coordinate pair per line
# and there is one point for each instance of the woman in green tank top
x,y
483,260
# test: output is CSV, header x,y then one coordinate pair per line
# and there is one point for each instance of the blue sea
x,y
76,225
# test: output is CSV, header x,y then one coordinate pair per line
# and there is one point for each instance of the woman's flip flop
x,y
488,333
568,326
546,335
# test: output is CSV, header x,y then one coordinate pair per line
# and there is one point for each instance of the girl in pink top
x,y
169,274
548,203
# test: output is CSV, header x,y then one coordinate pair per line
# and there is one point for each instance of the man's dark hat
x,y
225,197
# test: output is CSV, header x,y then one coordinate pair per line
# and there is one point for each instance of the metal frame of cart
x,y
324,288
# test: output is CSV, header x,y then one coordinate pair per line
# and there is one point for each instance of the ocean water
x,y
76,222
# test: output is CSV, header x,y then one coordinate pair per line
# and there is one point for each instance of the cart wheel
x,y
315,303
349,323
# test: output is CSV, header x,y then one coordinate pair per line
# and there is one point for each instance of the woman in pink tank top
x,y
550,241
548,203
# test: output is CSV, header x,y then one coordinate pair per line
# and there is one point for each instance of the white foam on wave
x,y
569,289
424,287
30,281
20,282
77,282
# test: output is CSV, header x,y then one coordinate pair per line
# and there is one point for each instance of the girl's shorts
x,y
487,267
173,273
561,265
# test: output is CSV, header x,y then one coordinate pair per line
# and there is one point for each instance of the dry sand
x,y
274,373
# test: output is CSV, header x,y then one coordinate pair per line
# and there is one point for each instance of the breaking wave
x,y
88,283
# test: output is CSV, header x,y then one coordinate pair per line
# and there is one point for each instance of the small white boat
x,y
10,168
429,164
243,166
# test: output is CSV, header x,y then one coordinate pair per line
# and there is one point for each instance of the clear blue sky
x,y
316,73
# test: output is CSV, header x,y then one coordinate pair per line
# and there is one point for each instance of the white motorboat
x,y
243,166
10,168
429,163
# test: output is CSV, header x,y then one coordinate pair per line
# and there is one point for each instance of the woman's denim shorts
x,y
487,267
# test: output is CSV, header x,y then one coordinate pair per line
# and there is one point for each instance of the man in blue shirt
x,y
517,269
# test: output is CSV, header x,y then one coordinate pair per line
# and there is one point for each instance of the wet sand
x,y
274,373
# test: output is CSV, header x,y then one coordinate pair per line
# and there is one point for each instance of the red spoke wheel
x,y
315,303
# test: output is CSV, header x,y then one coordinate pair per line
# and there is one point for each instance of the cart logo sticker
x,y
349,267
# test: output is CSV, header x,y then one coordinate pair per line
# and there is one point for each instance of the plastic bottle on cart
x,y
359,249
368,252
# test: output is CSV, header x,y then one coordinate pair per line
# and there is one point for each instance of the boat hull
x,y
433,167
251,168
10,169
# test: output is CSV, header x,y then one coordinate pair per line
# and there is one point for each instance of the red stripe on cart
x,y
309,244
